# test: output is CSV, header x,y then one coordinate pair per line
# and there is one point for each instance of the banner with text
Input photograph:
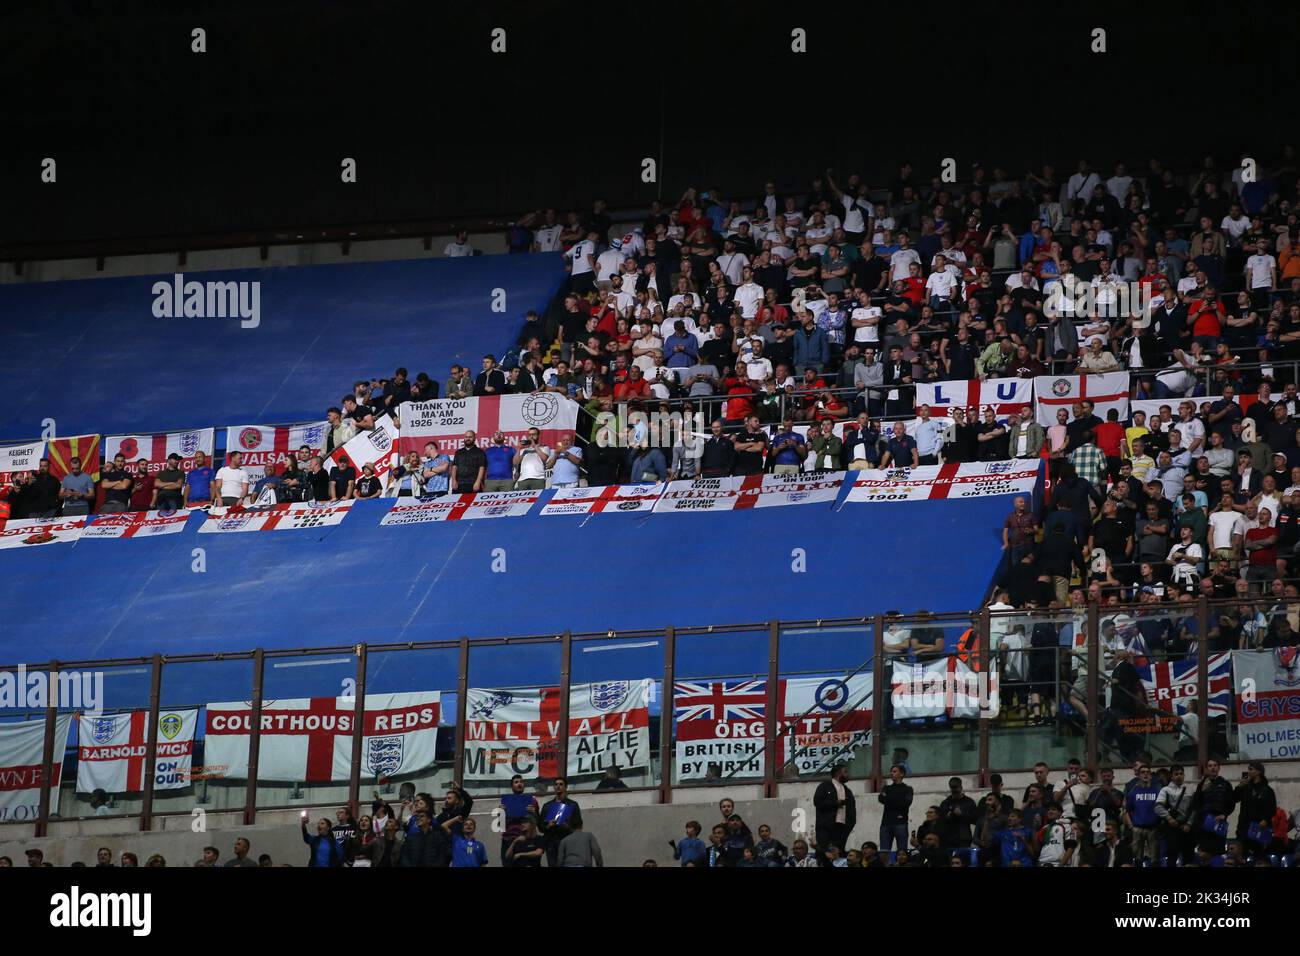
x,y
444,421
957,480
374,447
510,732
309,740
16,458
32,532
291,516
1006,396
136,524
263,445
720,729
112,751
1268,703
605,499
826,720
157,447
22,748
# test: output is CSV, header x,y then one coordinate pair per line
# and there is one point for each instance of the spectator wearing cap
x,y
35,857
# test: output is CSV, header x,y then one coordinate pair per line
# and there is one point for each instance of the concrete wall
x,y
248,257
631,827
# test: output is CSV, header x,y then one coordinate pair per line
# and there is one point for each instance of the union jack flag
x,y
718,701
1172,686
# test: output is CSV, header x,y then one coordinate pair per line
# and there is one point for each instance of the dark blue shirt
x,y
789,456
900,451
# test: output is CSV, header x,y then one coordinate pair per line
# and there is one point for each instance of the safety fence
x,y
650,710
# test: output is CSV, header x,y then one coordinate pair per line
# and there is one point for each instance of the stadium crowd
x,y
825,308
1157,818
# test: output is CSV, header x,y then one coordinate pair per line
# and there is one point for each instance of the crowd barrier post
x,y
877,699
666,759
47,751
566,670
1202,680
462,689
358,729
773,701
151,746
255,738
985,660
1093,689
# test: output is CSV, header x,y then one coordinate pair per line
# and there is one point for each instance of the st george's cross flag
x,y
1106,391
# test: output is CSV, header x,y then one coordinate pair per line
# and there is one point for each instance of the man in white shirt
x,y
865,318
732,263
1081,183
1227,530
900,262
749,294
459,247
758,368
818,234
1118,184
546,237
1261,275
610,262
530,462
1190,430
939,287
232,481
582,264
1235,224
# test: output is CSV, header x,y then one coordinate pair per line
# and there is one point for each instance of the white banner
x,y
721,729
291,516
827,720
309,740
1106,391
263,445
16,458
703,494
946,687
158,446
32,532
22,747
374,447
801,489
136,524
512,732
1006,396
112,751
607,499
444,421
956,480
1267,687
463,507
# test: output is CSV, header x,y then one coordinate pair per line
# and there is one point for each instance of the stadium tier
x,y
96,355
363,581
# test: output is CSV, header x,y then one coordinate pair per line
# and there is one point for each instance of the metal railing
x,y
833,652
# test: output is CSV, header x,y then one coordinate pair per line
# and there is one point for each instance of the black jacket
x,y
431,848
495,378
1216,799
954,829
1257,803
826,803
897,798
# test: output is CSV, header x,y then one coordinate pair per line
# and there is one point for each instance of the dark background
x,y
153,140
